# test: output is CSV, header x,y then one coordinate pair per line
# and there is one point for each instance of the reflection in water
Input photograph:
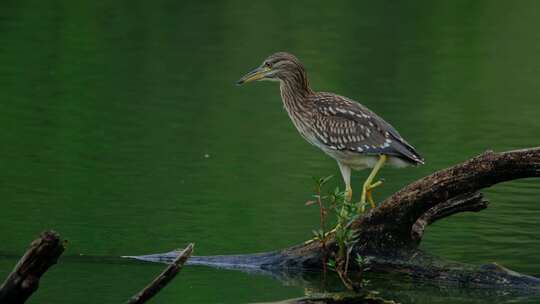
x,y
122,130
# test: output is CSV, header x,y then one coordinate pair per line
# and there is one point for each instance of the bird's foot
x,y
367,193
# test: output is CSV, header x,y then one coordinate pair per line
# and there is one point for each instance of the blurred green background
x,y
123,130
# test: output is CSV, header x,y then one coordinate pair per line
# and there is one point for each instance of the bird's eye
x,y
268,65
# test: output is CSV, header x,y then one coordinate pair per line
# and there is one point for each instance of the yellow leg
x,y
368,186
369,193
346,174
348,194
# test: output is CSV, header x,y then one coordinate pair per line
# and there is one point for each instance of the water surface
x,y
122,130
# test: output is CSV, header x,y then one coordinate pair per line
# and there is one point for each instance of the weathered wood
x,y
468,202
163,278
24,279
391,233
387,230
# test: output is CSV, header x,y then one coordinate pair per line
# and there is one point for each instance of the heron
x,y
344,129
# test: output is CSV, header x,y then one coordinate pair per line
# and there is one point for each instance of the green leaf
x,y
331,263
324,180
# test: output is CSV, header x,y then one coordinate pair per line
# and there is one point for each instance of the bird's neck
x,y
295,89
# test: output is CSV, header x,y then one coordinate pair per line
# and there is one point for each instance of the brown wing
x,y
343,124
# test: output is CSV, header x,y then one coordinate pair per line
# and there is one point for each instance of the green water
x,y
122,130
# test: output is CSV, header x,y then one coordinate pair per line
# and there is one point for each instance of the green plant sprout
x,y
345,237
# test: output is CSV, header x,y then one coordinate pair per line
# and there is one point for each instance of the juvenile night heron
x,y
347,131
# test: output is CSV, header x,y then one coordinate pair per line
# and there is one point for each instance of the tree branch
x,y
393,220
24,279
468,202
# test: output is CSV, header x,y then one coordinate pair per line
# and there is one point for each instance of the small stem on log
x,y
322,215
24,279
163,278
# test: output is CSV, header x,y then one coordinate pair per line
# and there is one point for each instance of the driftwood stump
x,y
390,234
24,279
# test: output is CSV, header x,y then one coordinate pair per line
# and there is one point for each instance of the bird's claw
x,y
368,193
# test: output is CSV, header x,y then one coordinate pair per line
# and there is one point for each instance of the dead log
x,y
163,278
24,279
388,229
391,233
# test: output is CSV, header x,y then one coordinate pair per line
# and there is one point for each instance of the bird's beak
x,y
256,74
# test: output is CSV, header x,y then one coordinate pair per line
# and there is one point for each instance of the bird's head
x,y
280,66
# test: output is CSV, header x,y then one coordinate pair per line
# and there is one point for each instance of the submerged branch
x,y
163,278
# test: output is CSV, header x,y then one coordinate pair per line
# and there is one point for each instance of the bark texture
x,y
389,229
